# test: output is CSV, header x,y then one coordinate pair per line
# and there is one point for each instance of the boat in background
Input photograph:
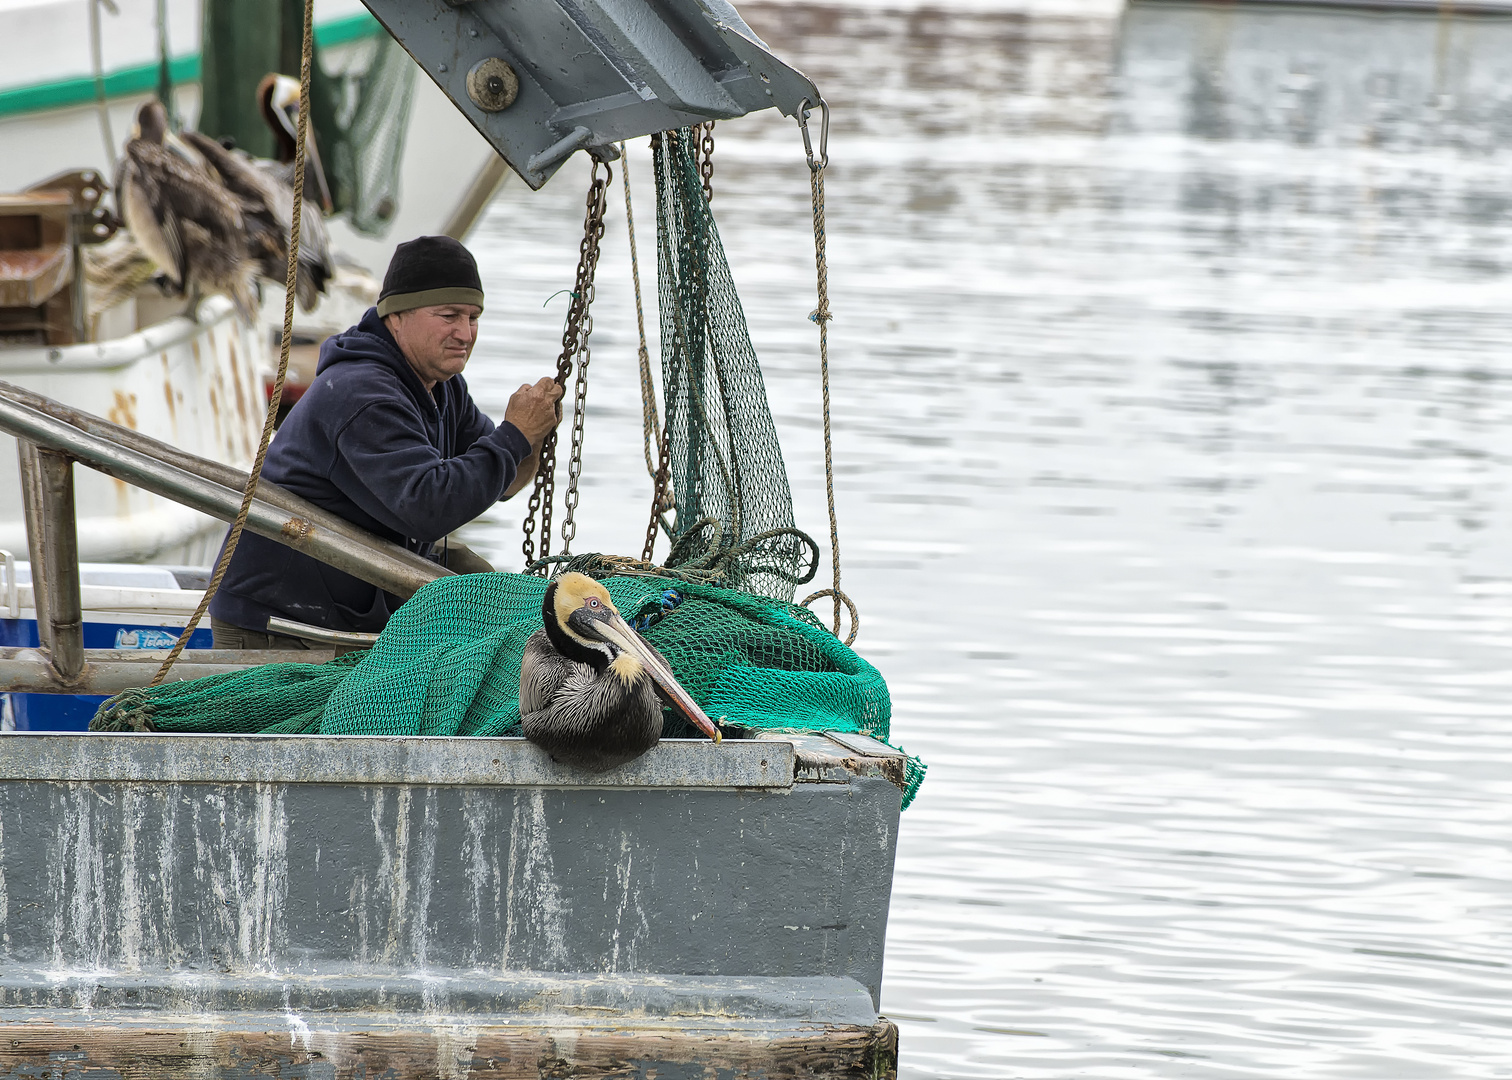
x,y
51,119
67,106
125,607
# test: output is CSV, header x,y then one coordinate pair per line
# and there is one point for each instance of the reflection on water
x,y
1174,422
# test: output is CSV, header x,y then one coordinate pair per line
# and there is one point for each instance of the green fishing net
x,y
734,511
448,663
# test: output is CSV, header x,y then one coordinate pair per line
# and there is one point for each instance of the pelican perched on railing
x,y
589,683
183,217
267,206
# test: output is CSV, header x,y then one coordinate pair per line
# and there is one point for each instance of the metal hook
x,y
824,121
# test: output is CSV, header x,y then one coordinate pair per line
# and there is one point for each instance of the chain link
x,y
703,152
661,497
574,343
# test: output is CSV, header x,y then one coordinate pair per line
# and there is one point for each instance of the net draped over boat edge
x,y
448,663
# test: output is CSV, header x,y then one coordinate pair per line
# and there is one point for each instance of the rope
x,y
708,563
651,427
821,316
650,422
98,62
234,537
574,342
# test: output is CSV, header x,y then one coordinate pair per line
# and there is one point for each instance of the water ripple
x,y
1173,416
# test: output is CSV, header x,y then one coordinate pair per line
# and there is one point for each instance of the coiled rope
x,y
306,51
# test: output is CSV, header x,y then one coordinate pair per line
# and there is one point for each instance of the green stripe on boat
x,y
142,79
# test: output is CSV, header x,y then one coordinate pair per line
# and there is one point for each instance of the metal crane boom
x,y
541,79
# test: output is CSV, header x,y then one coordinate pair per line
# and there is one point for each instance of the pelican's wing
x,y
542,670
240,177
153,224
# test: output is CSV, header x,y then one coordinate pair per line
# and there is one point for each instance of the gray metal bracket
x,y
541,79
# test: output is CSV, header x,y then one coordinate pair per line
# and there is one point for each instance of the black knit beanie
x,y
430,270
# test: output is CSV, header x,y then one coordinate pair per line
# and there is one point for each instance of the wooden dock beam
x,y
791,1050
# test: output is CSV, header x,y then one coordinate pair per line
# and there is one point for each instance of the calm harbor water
x,y
1173,374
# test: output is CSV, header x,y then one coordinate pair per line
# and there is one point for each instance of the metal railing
x,y
51,438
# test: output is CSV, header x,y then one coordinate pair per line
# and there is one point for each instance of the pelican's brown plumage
x,y
590,685
183,217
267,206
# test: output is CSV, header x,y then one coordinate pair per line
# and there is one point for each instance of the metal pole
x,y
31,502
60,561
109,671
359,553
227,476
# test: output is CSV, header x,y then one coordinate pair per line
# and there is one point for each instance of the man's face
x,y
436,340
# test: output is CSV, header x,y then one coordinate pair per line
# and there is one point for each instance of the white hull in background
x,y
196,385
44,41
199,387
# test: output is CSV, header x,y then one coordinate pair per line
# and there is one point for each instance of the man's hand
x,y
535,410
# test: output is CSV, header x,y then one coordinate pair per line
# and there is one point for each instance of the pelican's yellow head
x,y
579,595
581,619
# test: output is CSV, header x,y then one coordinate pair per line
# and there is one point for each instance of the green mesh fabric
x,y
448,663
733,506
373,83
275,699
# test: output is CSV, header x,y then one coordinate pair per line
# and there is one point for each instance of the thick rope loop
x,y
306,52
840,597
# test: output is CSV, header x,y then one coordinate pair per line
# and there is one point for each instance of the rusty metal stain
x,y
194,347
123,412
241,394
296,528
172,405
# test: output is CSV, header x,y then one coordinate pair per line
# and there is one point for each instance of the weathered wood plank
x,y
207,1050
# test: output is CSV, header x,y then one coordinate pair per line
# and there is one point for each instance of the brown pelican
x,y
183,217
278,98
267,206
589,683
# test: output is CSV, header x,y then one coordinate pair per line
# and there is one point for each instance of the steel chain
x,y
704,153
661,496
574,342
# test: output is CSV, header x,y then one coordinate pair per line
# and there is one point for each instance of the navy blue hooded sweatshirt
x,y
370,444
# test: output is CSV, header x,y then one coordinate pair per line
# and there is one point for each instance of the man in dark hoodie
x,y
388,438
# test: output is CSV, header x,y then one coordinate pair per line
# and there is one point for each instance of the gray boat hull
x,y
297,903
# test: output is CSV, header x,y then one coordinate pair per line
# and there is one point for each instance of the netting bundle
x,y
733,505
376,83
448,663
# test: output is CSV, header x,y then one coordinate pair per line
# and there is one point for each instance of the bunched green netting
x,y
448,663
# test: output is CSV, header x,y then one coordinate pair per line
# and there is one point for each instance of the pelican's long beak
x,y
618,631
313,165
285,105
